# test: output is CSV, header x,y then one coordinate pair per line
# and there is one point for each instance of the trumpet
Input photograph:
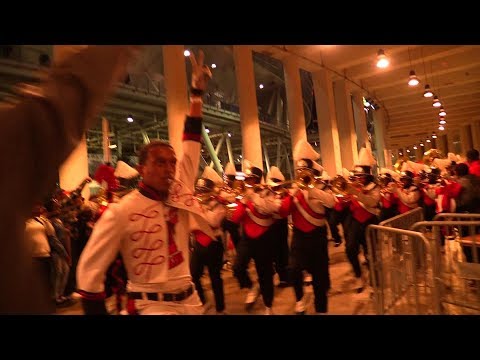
x,y
339,185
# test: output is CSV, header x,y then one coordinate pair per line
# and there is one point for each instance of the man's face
x,y
158,171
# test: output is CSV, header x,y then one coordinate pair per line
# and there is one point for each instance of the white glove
x,y
201,73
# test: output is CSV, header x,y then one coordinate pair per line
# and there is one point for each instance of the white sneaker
x,y
268,311
300,307
252,295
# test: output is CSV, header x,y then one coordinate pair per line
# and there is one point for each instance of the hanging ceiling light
x,y
442,121
436,102
428,93
428,139
415,147
382,60
441,127
434,136
421,143
442,112
413,79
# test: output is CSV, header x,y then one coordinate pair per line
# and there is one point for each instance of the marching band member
x,y
255,211
309,249
150,226
409,194
388,199
365,196
227,225
207,250
279,232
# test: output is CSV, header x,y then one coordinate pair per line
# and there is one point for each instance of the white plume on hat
x,y
365,157
415,166
346,173
230,169
247,164
407,167
452,157
395,175
325,176
209,173
125,171
303,150
275,173
317,166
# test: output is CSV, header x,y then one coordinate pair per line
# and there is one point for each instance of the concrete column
x,y
360,120
419,152
251,140
453,138
388,158
293,87
176,93
327,122
442,144
346,127
466,141
475,126
75,169
107,154
379,124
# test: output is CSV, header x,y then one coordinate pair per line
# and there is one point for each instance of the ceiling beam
x,y
422,108
423,101
407,91
434,74
407,64
415,119
370,58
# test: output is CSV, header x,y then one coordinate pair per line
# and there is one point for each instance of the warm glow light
x,y
428,140
413,80
382,60
207,130
130,118
186,53
415,147
112,146
229,135
428,93
441,128
442,122
260,86
214,66
436,102
434,136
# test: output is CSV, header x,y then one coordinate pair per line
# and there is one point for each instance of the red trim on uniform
x,y
149,192
131,307
192,137
251,206
306,207
92,296
359,213
202,238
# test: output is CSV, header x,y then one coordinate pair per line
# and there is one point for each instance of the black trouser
x,y
279,231
261,250
210,256
354,237
387,213
233,229
335,218
43,269
310,252
429,212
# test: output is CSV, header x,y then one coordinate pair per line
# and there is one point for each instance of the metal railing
x,y
405,220
402,284
456,266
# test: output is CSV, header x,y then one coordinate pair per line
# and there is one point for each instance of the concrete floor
x,y
343,300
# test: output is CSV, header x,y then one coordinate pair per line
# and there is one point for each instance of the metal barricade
x,y
456,266
406,220
400,285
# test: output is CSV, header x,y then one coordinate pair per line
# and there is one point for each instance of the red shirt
x,y
474,168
